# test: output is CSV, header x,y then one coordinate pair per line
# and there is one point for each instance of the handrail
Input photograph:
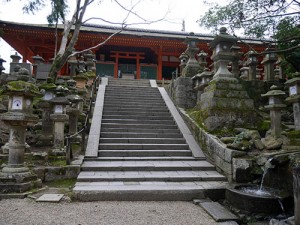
x,y
68,137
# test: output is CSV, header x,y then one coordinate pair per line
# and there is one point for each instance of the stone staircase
x,y
145,151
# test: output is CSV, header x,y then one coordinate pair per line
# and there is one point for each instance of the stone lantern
x,y
252,64
222,55
244,73
16,176
269,60
294,97
59,117
46,136
1,65
235,61
74,109
275,105
192,66
89,56
202,56
73,63
201,81
183,60
81,65
37,60
219,109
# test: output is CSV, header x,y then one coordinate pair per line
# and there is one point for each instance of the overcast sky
x,y
178,10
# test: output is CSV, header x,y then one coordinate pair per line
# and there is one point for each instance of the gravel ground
x,y
28,212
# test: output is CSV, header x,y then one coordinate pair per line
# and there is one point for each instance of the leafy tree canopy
x,y
257,18
277,20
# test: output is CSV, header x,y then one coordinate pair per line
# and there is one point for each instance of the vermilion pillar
x,y
159,64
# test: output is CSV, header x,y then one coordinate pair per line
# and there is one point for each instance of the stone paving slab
x,y
218,212
50,198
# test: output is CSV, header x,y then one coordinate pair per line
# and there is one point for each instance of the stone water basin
x,y
253,200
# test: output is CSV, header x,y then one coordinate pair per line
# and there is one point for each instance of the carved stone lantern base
x,y
226,104
18,180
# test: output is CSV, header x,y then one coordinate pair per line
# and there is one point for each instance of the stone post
x,y
294,97
235,61
192,66
252,64
1,65
59,117
296,184
269,60
275,106
15,176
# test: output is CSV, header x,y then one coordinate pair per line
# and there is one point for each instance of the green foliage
x,y
59,10
288,37
257,18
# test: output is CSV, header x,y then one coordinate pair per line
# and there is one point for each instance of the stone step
x,y
146,165
145,191
135,108
142,140
136,114
132,98
140,130
137,117
138,135
134,103
134,121
123,146
142,126
141,158
144,153
132,111
174,176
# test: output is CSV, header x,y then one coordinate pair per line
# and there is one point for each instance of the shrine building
x,y
137,53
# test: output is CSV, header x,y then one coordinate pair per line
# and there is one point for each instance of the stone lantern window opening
x,y
58,109
293,90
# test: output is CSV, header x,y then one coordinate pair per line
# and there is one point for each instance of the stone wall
x,y
215,151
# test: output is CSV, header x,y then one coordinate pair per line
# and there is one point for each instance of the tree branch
x,y
100,44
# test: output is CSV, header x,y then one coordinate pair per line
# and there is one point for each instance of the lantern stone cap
x,y
38,57
2,60
48,86
191,37
202,54
21,88
251,53
183,56
15,116
74,98
15,56
60,100
294,80
275,91
206,73
223,36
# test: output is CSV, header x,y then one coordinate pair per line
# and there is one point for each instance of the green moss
x,y
90,74
22,86
264,126
64,183
294,134
48,86
59,162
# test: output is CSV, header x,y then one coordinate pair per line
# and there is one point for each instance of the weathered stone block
x,y
241,169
